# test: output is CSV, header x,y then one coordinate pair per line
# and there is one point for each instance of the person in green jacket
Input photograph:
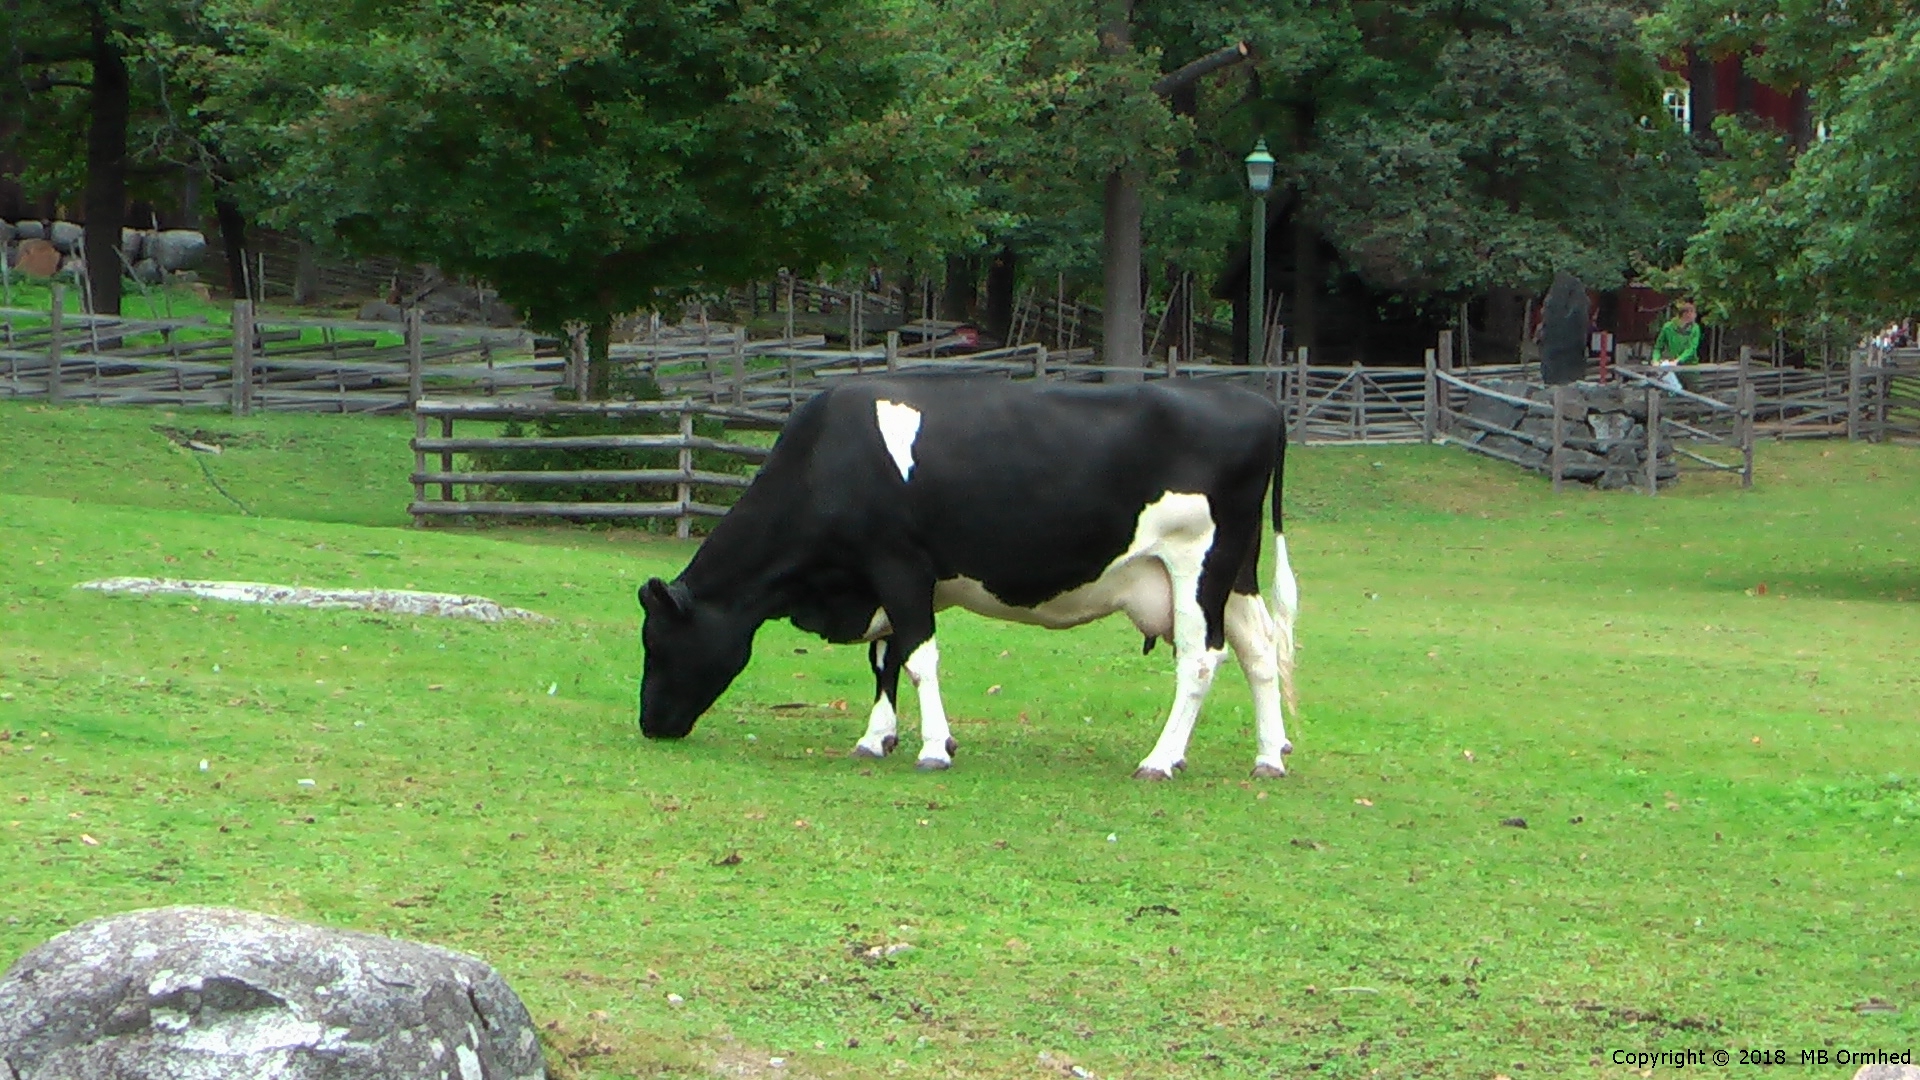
x,y
1678,342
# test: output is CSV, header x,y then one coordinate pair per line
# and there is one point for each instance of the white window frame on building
x,y
1678,101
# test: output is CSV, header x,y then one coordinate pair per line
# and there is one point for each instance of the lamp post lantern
x,y
1259,181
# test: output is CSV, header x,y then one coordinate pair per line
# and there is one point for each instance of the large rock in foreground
x,y
195,993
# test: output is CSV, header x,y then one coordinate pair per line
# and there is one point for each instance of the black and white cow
x,y
888,500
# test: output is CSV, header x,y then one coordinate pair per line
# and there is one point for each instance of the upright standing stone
x,y
1563,332
196,993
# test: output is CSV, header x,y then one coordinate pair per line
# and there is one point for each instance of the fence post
x,y
1882,398
240,388
1430,415
53,342
1559,435
682,524
893,351
1173,361
1300,396
446,457
1748,406
740,366
419,465
1653,440
789,312
416,362
1040,363
1357,421
1853,396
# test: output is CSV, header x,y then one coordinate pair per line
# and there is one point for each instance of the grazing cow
x,y
887,500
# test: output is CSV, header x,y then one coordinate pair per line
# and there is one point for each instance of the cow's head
x,y
694,650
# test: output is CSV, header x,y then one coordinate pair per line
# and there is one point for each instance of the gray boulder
x,y
176,249
381,311
133,244
7,233
148,272
29,229
67,237
196,993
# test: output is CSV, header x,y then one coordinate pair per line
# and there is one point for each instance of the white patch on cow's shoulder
x,y
1174,531
899,427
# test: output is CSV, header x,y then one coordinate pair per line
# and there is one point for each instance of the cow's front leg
x,y
884,721
1194,676
1198,646
905,588
936,739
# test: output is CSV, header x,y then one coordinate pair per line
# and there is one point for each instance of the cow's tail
x,y
1283,600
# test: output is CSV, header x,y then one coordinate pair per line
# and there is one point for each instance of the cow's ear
x,y
657,595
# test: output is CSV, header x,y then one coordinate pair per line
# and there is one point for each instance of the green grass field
x,y
1720,781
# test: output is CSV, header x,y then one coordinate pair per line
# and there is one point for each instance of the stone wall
x,y
1604,432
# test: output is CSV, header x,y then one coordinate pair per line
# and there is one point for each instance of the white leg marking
x,y
1286,607
1194,677
882,726
923,667
1255,640
899,426
1186,533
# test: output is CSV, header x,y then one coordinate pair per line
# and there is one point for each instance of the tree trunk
x,y
1505,326
106,167
600,358
1121,321
997,319
1307,273
233,237
306,275
1702,85
961,292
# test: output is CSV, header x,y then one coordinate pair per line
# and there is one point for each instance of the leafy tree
x,y
1820,236
588,157
1442,149
68,71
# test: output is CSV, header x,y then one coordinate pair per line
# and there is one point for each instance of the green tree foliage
x,y
588,157
1824,235
1443,149
1461,147
71,88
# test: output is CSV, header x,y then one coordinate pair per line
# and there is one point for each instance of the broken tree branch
x,y
1201,68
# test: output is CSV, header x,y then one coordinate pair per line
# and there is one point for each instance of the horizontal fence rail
x,y
685,477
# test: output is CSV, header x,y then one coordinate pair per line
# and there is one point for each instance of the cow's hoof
x,y
932,764
1264,771
887,744
1286,748
1144,773
862,750
1180,766
953,745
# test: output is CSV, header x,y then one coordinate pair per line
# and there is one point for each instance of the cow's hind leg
x,y
884,721
1256,641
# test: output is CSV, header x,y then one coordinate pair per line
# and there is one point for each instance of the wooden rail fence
x,y
446,472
